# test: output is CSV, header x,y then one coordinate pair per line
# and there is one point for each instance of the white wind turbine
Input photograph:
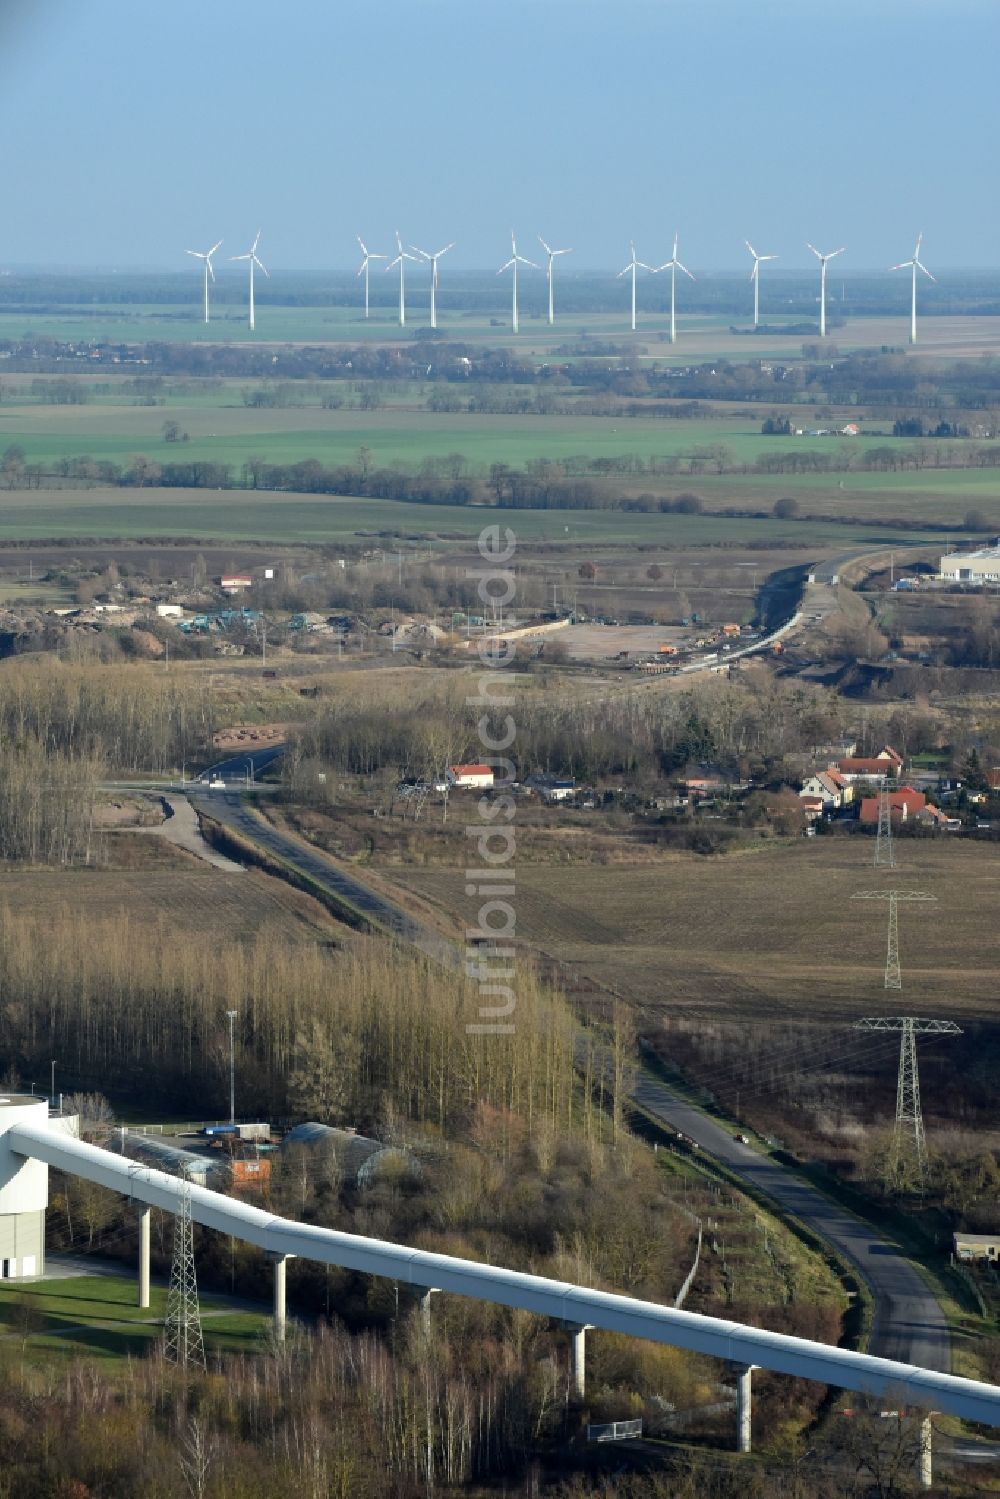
x,y
206,256
254,260
916,264
402,256
822,282
552,255
755,278
633,266
433,262
363,270
514,261
673,265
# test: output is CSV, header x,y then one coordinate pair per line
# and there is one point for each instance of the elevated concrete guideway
x,y
578,1307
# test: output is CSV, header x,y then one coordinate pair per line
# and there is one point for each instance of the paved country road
x,y
909,1325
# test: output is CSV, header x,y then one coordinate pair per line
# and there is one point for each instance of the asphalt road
x,y
908,1325
227,808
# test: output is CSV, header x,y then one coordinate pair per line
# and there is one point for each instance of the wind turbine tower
x,y
433,261
914,265
673,265
402,256
551,259
633,266
512,264
823,259
254,260
363,268
755,278
206,256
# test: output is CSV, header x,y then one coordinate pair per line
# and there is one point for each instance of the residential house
x,y
886,764
235,582
903,804
470,777
830,786
933,817
812,806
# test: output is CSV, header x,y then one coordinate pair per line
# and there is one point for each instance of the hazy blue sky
x,y
135,129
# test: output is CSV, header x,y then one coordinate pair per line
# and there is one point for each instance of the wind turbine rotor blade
x,y
505,267
208,267
904,265
364,247
198,254
684,268
239,257
446,249
753,273
547,248
392,264
815,251
422,253
921,266
258,261
216,247
624,272
767,257
836,252
563,252
253,247
750,247
644,267
916,248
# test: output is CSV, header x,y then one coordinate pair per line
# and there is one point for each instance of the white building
x,y
471,777
978,568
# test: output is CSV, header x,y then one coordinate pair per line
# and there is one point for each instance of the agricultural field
x,y
701,335
241,516
770,934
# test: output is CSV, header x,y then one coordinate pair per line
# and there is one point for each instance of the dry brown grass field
x,y
766,933
175,892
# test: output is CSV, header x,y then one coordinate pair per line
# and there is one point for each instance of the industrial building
x,y
977,568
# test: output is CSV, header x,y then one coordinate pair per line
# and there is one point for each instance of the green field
x,y
239,515
701,336
97,1315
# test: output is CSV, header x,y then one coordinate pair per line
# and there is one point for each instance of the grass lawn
x,y
98,1315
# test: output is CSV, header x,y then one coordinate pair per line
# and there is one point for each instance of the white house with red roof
x,y
470,777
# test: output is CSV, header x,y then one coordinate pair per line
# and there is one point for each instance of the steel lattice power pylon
x,y
909,1146
885,853
893,973
182,1337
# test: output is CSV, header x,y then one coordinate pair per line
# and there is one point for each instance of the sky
x,y
136,130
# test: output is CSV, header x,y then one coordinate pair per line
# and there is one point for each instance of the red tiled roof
x,y
905,801
471,770
858,767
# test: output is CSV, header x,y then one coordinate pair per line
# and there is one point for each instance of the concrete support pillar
x,y
926,1454
578,1360
424,1303
144,1256
743,1406
280,1262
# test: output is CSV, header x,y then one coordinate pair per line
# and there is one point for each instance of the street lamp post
x,y
232,1065
52,1090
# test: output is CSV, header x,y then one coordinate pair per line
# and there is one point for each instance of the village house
x,y
470,777
903,804
887,764
831,787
